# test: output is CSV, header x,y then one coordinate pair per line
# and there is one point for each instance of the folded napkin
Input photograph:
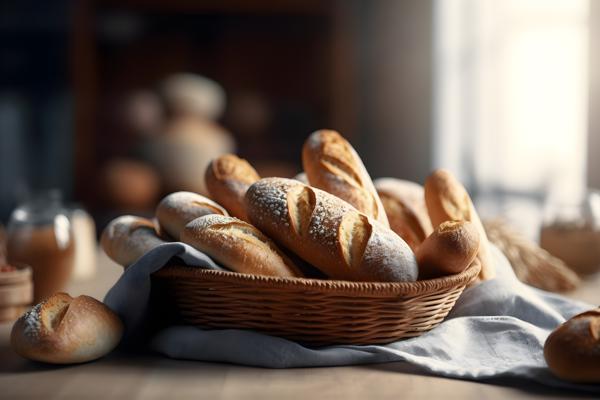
x,y
497,329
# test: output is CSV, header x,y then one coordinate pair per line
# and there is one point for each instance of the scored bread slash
x,y
331,164
177,209
227,178
66,330
238,246
448,200
329,233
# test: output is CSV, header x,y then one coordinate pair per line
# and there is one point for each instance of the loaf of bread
x,y
450,249
127,238
572,351
179,208
332,164
404,204
237,245
227,179
448,200
65,330
329,233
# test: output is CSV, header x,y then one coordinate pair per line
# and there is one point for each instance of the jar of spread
x,y
39,234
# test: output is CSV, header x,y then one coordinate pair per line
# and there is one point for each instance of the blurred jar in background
x,y
39,234
571,232
190,136
84,233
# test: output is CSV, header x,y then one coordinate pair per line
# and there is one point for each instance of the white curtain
x,y
511,89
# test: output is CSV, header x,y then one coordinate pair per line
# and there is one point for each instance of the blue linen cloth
x,y
497,329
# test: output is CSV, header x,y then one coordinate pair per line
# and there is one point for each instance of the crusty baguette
x,y
572,351
404,204
65,330
127,238
227,179
332,164
448,200
450,249
177,209
329,233
237,245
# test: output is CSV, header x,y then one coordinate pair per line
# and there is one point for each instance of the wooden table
x,y
156,377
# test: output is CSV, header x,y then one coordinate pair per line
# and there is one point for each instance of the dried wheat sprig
x,y
532,264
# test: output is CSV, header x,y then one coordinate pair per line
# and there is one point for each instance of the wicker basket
x,y
312,311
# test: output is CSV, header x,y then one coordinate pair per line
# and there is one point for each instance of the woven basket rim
x,y
383,289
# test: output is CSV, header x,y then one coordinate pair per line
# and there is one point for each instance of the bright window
x,y
511,95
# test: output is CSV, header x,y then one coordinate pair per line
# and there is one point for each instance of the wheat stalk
x,y
532,264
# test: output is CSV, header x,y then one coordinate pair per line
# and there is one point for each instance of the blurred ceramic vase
x,y
571,232
193,95
39,234
183,151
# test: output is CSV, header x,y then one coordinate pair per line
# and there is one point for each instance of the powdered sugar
x,y
32,322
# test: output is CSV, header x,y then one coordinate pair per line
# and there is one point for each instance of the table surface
x,y
149,377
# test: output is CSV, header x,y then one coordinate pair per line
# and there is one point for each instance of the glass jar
x,y
39,234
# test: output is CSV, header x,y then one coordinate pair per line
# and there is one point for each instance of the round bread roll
x,y
177,209
239,246
404,204
331,164
448,200
329,233
572,350
227,179
66,330
450,249
127,238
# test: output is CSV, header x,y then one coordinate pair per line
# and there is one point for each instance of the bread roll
x,y
331,164
179,208
329,233
127,238
227,179
237,245
450,249
448,200
65,330
404,204
572,351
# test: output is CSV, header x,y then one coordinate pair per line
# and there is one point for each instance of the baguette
x,y
66,330
448,200
177,209
127,238
404,204
450,249
237,245
227,179
572,351
332,164
329,233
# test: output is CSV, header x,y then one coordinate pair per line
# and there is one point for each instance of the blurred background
x,y
115,103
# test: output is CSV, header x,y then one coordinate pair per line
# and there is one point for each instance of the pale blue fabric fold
x,y
497,329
